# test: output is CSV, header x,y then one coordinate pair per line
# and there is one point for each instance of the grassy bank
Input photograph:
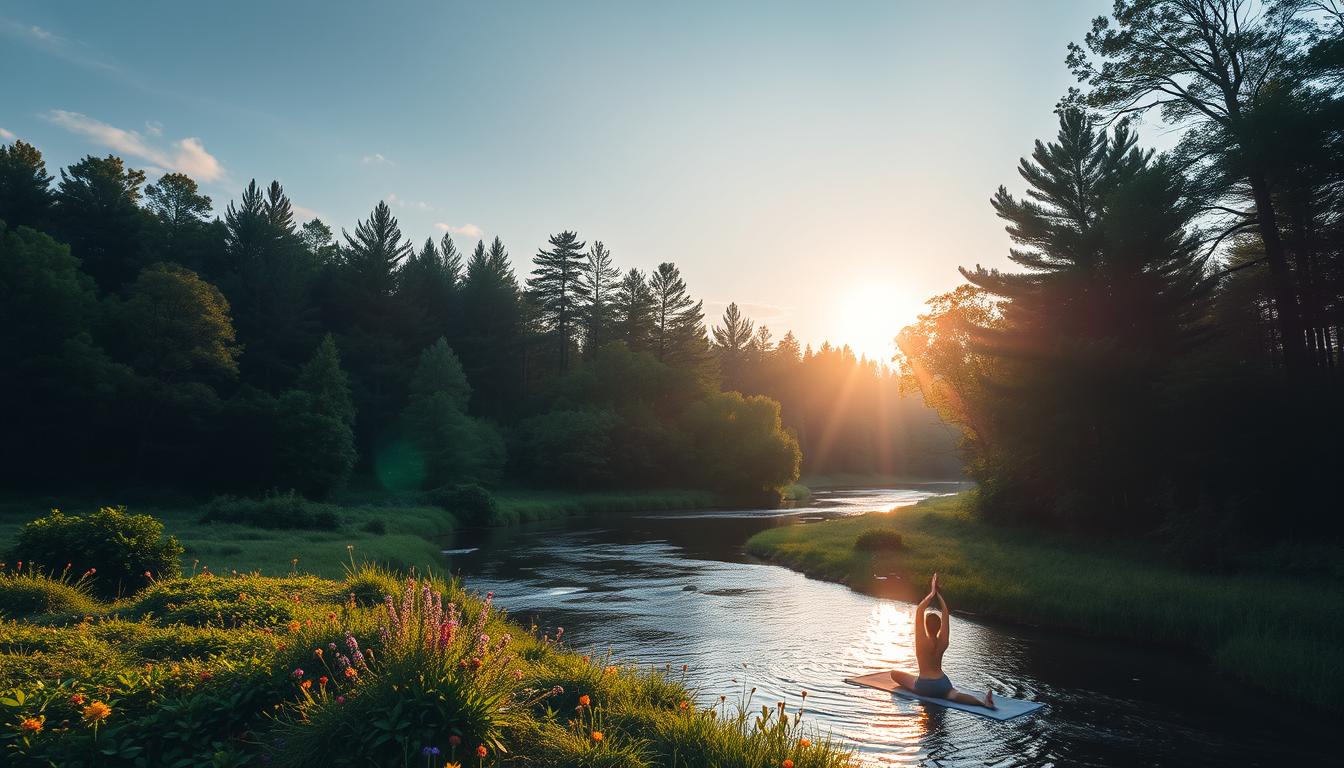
x,y
1270,630
399,532
305,671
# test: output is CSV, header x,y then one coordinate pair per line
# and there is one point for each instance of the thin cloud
x,y
187,156
62,47
153,127
7,135
466,230
303,214
376,159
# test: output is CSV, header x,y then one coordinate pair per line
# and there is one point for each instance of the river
x,y
675,588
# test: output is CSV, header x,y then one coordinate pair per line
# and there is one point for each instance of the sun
x,y
868,317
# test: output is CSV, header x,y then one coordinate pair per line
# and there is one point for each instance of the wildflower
x,y
584,700
306,684
804,743
30,726
517,674
297,673
317,652
77,699
340,699
351,673
322,681
294,626
452,765
205,675
586,659
557,690
786,764
454,741
597,736
685,705
430,751
481,751
331,616
96,712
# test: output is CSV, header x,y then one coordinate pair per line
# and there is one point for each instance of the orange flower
x,y
306,684
786,764
597,736
804,743
351,673
317,652
30,726
96,712
77,699
294,626
685,705
481,751
584,700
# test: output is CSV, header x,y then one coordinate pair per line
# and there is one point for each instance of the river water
x,y
675,588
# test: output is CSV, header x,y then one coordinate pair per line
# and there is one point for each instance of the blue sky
x,y
826,165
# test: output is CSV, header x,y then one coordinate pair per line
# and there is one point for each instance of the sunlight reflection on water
x,y
674,589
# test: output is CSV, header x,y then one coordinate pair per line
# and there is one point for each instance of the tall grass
x,y
1267,629
299,670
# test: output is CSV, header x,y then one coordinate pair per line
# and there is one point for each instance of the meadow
x,y
1274,621
373,668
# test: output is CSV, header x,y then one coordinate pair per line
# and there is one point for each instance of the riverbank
x,y
1269,630
399,532
304,671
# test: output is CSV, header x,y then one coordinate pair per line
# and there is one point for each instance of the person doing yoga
x,y
931,635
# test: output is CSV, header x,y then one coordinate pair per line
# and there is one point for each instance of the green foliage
x,y
567,447
317,447
177,326
25,186
739,445
275,510
469,504
452,446
125,551
31,592
879,539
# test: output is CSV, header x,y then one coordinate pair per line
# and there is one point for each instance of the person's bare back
x,y
932,631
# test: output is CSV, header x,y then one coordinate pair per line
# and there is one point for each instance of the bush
x,y
879,540
119,548
31,593
376,527
469,504
277,510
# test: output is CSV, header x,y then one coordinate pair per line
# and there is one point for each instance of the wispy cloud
x,y
7,135
61,47
188,155
153,127
466,230
303,214
376,159
401,202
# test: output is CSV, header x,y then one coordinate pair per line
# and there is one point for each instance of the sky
x,y
827,166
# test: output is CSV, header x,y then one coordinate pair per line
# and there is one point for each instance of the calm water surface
x,y
675,588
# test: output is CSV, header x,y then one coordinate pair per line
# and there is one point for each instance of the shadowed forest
x,y
155,345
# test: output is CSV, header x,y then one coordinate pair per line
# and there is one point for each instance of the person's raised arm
x,y
944,632
924,606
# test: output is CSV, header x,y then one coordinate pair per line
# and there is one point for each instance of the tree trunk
x,y
1281,278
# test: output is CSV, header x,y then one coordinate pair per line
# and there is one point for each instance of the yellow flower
x,y
31,726
452,765
96,712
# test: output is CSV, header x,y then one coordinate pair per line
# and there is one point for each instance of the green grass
x,y
412,529
244,670
1282,631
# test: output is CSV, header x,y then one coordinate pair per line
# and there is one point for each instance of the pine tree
x,y
25,187
375,252
428,289
177,202
558,290
452,446
678,321
632,310
788,349
1113,292
98,213
599,280
317,451
491,323
731,344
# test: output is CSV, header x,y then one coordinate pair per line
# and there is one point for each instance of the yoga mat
x,y
1008,708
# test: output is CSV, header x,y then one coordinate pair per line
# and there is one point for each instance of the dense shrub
x,y
879,540
469,504
120,548
31,593
277,510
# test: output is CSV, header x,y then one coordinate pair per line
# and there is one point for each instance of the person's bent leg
x,y
961,697
903,679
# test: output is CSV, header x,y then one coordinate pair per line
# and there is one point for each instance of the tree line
x,y
1168,360
152,344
